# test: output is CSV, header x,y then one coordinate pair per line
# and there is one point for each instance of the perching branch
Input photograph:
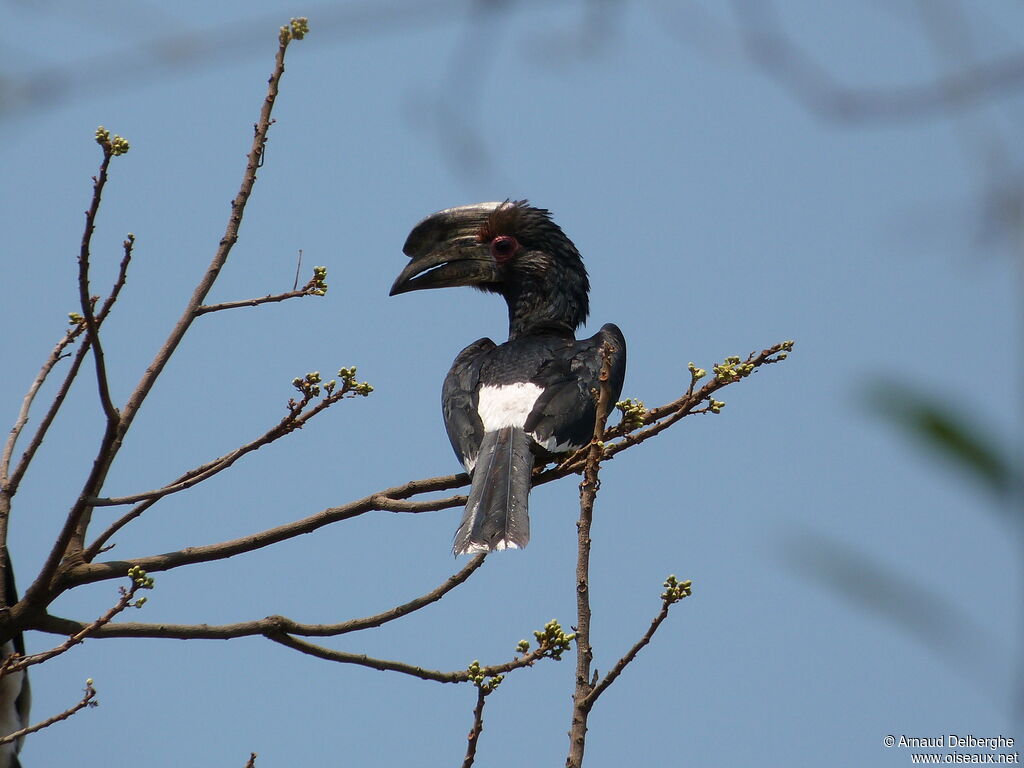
x,y
87,701
396,499
588,495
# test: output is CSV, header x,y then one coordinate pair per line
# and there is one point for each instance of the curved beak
x,y
458,263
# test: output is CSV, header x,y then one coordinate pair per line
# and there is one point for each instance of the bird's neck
x,y
533,311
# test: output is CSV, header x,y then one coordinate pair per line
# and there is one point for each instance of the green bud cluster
x,y
308,385
75,319
553,641
300,27
297,29
716,406
482,681
116,145
787,345
633,412
348,379
733,369
676,590
138,575
319,283
119,146
523,646
696,374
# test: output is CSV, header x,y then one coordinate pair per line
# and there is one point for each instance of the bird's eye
x,y
503,248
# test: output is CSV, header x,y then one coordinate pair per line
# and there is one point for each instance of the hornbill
x,y
533,397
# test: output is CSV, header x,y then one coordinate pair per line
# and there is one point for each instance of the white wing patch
x,y
551,445
507,405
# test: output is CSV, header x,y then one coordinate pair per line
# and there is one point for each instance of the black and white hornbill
x,y
533,396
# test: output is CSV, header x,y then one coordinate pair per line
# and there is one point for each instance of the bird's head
x,y
509,248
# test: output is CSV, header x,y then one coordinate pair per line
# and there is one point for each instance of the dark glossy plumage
x,y
533,396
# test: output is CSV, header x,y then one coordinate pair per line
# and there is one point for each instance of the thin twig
x,y
588,494
622,663
85,300
297,418
26,404
387,665
78,359
9,483
268,625
207,308
15,663
87,701
478,727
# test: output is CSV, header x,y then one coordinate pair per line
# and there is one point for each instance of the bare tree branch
x,y
14,662
26,404
58,400
268,625
86,301
781,58
315,287
387,665
674,591
87,701
588,494
9,482
71,538
296,419
477,728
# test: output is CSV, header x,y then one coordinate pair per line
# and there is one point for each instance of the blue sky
x,y
716,214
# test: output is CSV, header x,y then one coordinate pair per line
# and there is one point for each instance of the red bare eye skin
x,y
503,248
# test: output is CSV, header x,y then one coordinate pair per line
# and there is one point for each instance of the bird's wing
x,y
563,417
459,399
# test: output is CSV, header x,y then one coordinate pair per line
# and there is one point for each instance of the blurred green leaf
x,y
915,608
936,425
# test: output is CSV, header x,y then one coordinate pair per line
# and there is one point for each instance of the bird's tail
x,y
496,514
